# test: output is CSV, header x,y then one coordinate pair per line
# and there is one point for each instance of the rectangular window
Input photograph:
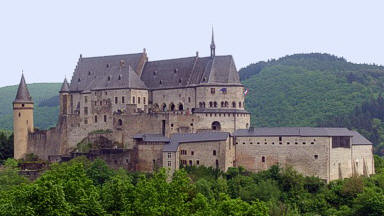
x,y
214,152
169,163
105,118
280,139
144,100
85,110
122,99
212,90
198,162
189,99
95,119
85,121
86,99
340,142
133,100
192,153
116,100
190,163
263,159
169,155
138,100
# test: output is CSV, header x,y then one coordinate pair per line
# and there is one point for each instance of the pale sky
x,y
45,38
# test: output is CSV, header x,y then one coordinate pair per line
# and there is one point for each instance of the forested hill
x,y
45,97
316,90
303,89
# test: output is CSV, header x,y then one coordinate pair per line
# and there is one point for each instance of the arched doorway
x,y
216,126
181,107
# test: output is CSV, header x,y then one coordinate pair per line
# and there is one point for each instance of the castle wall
x,y
184,96
232,94
171,161
149,156
45,143
340,162
362,156
210,154
229,122
260,153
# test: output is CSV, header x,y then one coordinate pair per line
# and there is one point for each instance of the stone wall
x,y
149,156
362,156
308,155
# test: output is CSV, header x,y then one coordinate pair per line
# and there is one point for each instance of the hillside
x,y
305,89
46,104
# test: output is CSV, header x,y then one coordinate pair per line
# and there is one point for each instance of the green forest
x,y
82,187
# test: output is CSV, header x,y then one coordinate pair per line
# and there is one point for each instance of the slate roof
x,y
103,72
65,86
177,139
22,94
97,73
152,137
293,131
358,139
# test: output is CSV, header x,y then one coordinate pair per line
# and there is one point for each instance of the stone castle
x,y
141,115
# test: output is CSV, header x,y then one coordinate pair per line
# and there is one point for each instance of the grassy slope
x,y
44,116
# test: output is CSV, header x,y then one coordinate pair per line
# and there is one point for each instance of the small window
x,y
280,139
273,143
22,105
108,65
263,159
179,81
296,143
85,110
212,90
197,162
312,143
105,93
169,155
192,152
95,119
122,99
109,78
85,121
171,125
161,82
239,104
288,143
169,163
234,104
138,100
258,143
89,73
101,103
119,78
19,115
105,118
144,100
303,143
78,80
190,162
133,100
120,122
215,104
316,157
116,100
189,99
214,152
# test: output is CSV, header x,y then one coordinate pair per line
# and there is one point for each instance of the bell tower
x,y
22,119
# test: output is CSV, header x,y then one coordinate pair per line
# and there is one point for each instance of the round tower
x,y
22,119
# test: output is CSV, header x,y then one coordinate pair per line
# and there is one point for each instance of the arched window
x,y
120,122
226,104
234,104
215,104
172,107
210,104
222,104
164,107
181,107
216,125
239,104
203,104
200,104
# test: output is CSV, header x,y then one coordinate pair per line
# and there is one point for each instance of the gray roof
x,y
96,73
151,137
190,71
209,110
22,94
209,136
293,131
358,139
103,72
65,86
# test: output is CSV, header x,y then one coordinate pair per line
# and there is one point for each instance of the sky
x,y
46,38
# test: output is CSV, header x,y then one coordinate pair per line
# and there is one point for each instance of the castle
x,y
140,115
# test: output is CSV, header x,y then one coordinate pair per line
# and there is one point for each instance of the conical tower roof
x,y
65,86
22,92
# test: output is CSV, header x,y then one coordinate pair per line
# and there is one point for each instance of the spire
x,y
22,92
213,46
64,86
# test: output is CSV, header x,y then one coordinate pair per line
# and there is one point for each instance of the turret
x,y
22,119
64,98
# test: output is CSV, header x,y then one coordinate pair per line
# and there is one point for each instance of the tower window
x,y
263,159
214,152
95,119
316,157
105,118
212,90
